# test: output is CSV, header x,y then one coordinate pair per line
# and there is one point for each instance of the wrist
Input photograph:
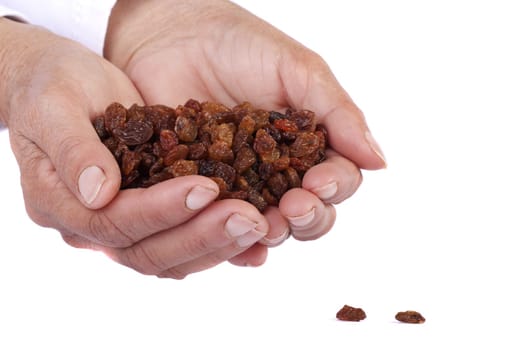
x,y
6,66
21,47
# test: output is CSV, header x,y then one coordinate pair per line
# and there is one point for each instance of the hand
x,y
51,88
215,50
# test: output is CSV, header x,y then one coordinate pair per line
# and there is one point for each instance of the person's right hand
x,y
51,89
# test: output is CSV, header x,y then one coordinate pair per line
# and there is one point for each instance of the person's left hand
x,y
174,50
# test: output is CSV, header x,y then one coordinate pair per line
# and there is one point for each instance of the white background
x,y
442,84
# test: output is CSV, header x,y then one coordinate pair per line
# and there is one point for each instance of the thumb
x,y
81,161
310,84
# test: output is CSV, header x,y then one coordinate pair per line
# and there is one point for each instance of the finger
x,y
253,256
77,241
279,229
310,84
224,223
333,180
308,216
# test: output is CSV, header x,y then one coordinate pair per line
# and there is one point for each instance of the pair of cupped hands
x,y
167,52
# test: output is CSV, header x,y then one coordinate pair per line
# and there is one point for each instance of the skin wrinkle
x,y
209,63
134,257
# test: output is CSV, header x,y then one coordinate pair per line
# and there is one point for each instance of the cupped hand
x,y
174,50
52,89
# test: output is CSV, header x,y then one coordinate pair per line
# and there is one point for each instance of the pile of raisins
x,y
252,154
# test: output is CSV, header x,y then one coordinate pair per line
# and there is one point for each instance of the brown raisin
x,y
245,158
134,132
176,153
115,116
183,167
197,151
349,313
410,317
220,151
168,140
186,129
305,143
278,185
255,198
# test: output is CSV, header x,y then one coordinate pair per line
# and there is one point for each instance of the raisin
x,y
176,153
206,167
264,142
274,116
130,162
226,172
100,128
269,198
304,119
305,143
183,167
410,317
255,198
245,158
115,116
349,313
220,151
278,185
168,140
285,125
242,195
186,129
135,132
193,104
293,178
197,151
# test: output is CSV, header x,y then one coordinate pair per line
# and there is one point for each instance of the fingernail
x,y
90,182
272,242
302,220
375,147
250,238
327,191
244,230
237,225
199,197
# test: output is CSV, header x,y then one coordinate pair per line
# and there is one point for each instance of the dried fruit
x,y
349,313
252,154
410,317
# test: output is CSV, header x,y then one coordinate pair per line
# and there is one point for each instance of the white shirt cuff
x,y
79,20
7,12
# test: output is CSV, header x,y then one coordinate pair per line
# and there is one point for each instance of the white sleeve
x,y
7,12
84,21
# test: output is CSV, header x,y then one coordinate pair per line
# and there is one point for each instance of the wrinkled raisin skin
x,y
252,154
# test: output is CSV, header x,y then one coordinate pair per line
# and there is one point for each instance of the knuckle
x,y
64,149
104,231
173,273
195,246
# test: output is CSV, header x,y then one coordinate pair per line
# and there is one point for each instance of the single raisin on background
x,y
252,154
349,313
410,317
